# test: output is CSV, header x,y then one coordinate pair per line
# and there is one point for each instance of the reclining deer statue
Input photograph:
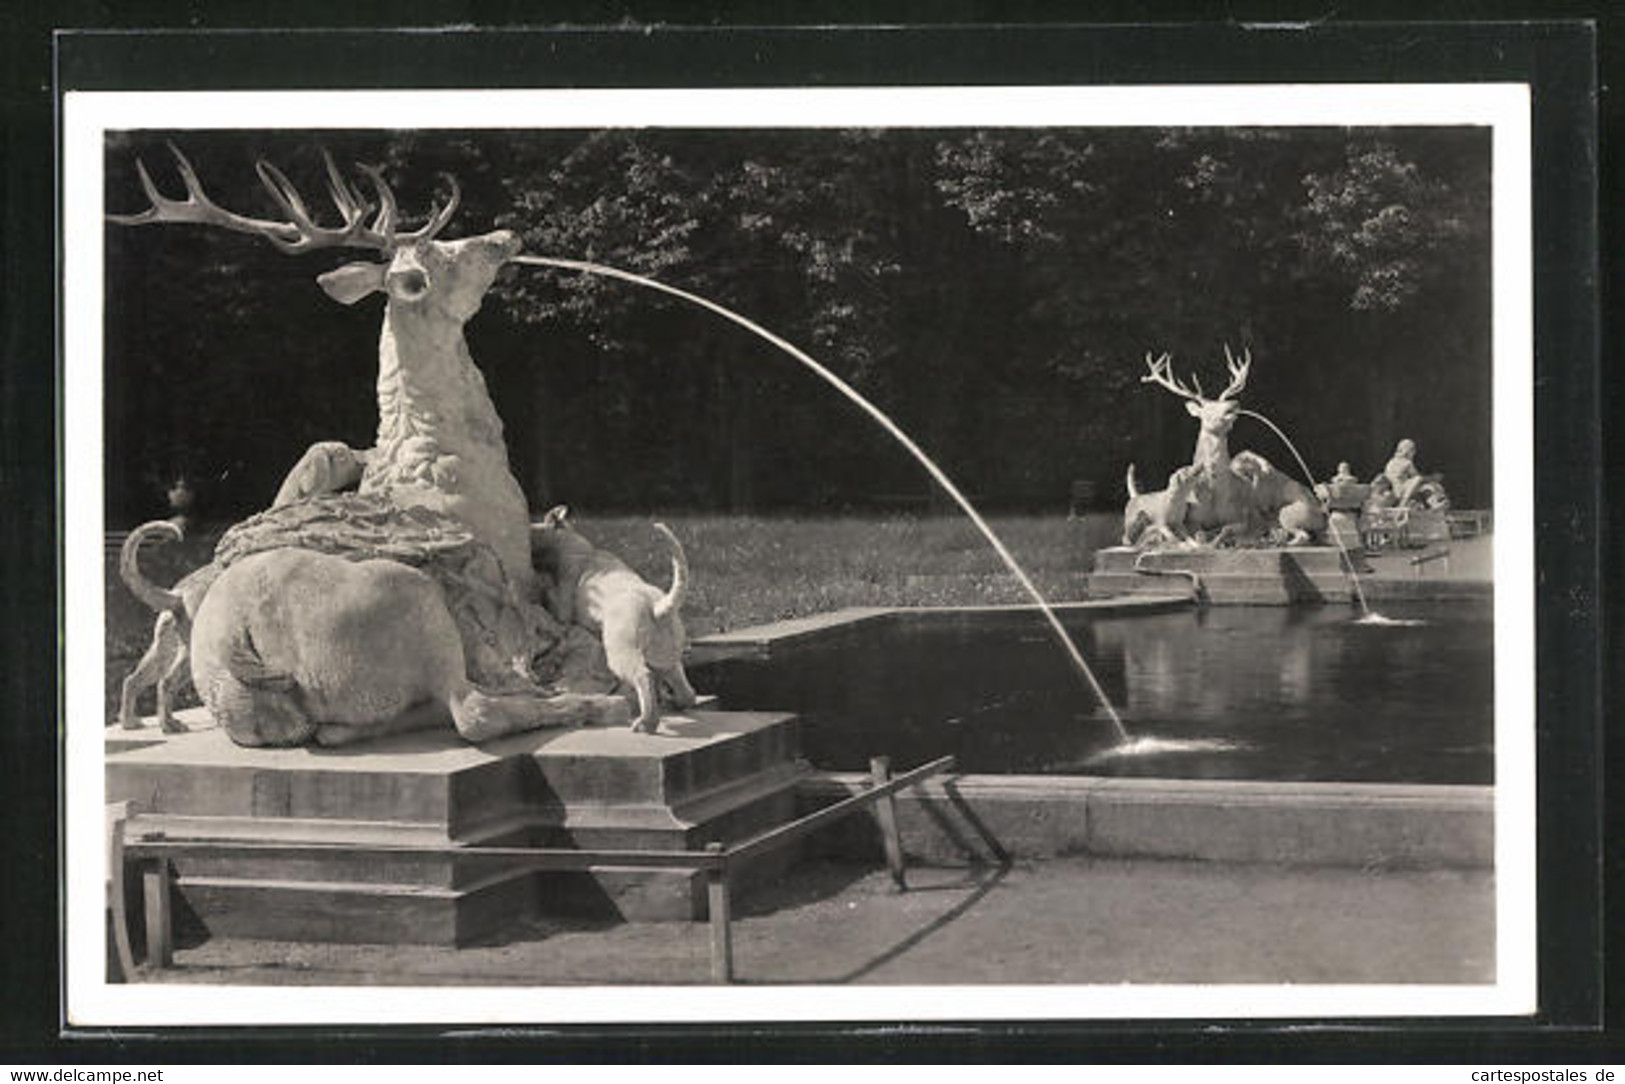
x,y
1231,498
339,616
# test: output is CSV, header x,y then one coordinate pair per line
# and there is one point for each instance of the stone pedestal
x,y
708,776
1265,577
1347,496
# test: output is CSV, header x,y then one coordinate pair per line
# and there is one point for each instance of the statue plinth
x,y
1267,576
708,776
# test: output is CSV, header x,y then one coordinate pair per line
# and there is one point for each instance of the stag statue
x,y
338,616
1224,498
1219,498
440,442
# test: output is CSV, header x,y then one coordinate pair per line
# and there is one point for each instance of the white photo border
x,y
86,118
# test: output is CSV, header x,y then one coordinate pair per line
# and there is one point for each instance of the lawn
x,y
749,570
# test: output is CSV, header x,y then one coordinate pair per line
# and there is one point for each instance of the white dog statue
x,y
641,626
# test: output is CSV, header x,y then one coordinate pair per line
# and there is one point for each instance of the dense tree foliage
x,y
995,291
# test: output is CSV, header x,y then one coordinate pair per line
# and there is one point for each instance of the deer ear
x,y
353,281
1193,408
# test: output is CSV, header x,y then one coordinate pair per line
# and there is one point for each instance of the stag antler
x,y
300,233
1238,371
1162,373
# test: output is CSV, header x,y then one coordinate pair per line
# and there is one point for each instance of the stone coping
x,y
1240,559
430,751
701,765
952,819
760,639
1390,589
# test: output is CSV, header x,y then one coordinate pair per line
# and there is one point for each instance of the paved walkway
x,y
1075,920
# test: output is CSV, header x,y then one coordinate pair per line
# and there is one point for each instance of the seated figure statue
x,y
1401,473
1402,485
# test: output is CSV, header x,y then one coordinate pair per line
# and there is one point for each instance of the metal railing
x,y
152,852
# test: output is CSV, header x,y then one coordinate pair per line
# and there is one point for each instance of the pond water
x,y
1284,693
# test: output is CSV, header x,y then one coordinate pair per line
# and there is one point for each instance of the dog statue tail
x,y
672,600
1128,480
157,598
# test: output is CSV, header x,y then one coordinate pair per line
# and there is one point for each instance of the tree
x,y
1323,249
992,290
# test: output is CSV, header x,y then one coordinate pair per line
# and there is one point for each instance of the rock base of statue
x,y
1271,576
707,776
507,640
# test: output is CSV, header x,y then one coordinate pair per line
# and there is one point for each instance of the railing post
x,y
155,895
118,816
886,813
722,950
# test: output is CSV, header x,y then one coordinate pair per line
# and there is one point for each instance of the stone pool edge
x,y
992,818
997,817
759,640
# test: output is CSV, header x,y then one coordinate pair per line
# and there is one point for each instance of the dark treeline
x,y
994,291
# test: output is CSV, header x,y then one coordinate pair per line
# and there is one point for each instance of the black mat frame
x,y
1556,58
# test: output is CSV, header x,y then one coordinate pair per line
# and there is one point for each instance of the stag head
x,y
417,271
435,279
1215,415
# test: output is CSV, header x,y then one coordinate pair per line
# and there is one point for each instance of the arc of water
x,y
1348,559
887,424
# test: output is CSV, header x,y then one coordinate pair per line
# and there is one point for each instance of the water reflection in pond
x,y
1286,693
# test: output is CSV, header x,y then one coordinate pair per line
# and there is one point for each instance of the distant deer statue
x,y
1221,498
1234,496
297,641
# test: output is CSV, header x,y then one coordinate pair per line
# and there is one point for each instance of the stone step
x,y
708,776
696,756
331,851
328,893
1227,590
1260,560
410,779
355,913
434,778
649,895
1266,576
306,852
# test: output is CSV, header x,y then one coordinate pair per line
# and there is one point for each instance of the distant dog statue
x,y
641,627
1158,517
164,664
1296,512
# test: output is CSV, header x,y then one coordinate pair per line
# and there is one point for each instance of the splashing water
x,y
1367,615
891,427
1374,618
1144,747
